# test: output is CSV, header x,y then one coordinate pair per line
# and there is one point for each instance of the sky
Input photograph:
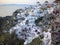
x,y
21,1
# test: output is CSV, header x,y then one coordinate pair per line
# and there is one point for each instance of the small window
x,y
35,30
56,26
38,32
19,32
59,31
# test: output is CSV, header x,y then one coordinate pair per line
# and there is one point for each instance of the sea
x,y
8,9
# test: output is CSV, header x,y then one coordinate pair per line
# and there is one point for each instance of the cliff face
x,y
56,28
55,33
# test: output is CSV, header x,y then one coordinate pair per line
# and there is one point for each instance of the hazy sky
x,y
21,1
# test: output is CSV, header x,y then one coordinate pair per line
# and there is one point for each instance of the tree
x,y
36,41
